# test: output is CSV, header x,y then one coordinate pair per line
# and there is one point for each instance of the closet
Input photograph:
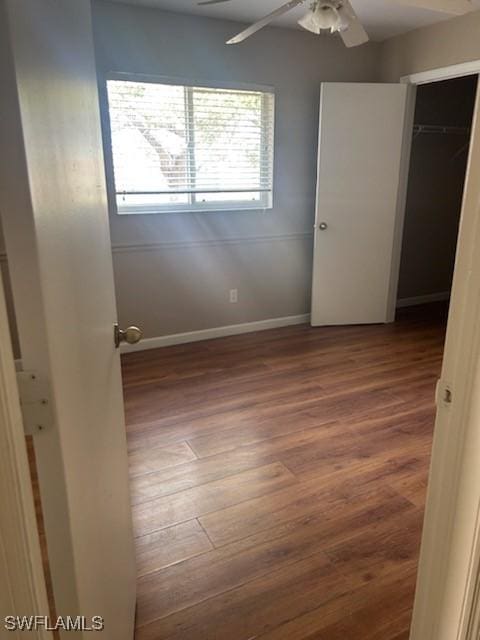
x,y
440,144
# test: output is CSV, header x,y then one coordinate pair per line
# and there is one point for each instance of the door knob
x,y
130,335
323,226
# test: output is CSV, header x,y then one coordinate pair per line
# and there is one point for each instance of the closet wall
x,y
437,174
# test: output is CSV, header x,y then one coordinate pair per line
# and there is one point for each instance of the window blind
x,y
183,148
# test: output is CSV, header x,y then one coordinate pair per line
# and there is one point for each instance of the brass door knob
x,y
130,335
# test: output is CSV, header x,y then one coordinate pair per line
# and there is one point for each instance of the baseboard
x,y
425,299
217,332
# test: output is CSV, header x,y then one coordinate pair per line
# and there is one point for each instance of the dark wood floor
x,y
278,481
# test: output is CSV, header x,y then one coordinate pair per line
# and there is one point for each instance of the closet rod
x,y
440,129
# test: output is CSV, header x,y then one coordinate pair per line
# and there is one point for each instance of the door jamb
x,y
443,73
23,590
447,597
408,119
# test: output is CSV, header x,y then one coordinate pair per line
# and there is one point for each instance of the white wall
x,y
173,271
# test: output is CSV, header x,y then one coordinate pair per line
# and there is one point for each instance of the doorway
x,y
447,548
438,164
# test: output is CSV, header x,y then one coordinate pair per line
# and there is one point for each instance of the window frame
x,y
266,199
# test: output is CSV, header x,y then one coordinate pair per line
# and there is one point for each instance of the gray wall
x,y
435,188
451,42
446,43
174,271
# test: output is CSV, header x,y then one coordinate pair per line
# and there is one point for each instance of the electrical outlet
x,y
233,296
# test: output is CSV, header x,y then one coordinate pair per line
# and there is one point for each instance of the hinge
x,y
34,392
443,393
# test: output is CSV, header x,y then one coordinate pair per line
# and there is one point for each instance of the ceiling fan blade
x,y
243,35
354,34
457,7
205,2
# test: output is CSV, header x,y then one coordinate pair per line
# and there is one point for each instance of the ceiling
x,y
381,18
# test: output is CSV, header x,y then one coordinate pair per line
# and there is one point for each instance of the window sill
x,y
210,210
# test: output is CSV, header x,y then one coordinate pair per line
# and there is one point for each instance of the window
x,y
183,148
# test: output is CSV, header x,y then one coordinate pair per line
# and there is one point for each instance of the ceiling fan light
x,y
322,17
309,23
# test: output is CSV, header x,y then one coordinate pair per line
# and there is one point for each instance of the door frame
x,y
448,586
22,589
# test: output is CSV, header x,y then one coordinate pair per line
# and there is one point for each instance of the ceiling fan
x,y
339,16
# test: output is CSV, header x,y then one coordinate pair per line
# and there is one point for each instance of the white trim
x,y
196,244
22,588
263,205
443,73
401,208
187,82
217,332
425,299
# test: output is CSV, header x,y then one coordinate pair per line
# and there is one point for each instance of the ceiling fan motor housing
x,y
324,16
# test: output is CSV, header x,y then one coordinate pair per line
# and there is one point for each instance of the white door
x,y
362,161
54,213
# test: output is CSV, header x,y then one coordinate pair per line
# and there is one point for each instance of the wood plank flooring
x,y
278,480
